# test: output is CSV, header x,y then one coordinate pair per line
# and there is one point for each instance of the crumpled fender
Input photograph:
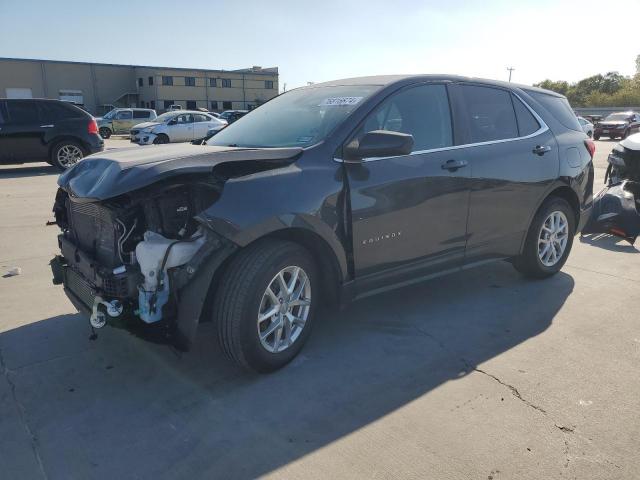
x,y
615,211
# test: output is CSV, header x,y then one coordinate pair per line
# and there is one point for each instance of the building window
x,y
140,82
214,105
226,106
168,103
268,84
226,83
167,80
213,82
150,81
191,104
153,104
190,81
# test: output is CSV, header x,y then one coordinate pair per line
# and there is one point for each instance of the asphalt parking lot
x,y
479,375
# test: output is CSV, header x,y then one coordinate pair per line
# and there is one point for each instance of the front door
x,y
182,129
409,212
122,122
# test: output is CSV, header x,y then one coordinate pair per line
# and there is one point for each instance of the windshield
x,y
110,114
617,117
165,117
298,118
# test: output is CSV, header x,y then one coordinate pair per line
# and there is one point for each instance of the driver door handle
x,y
453,165
541,149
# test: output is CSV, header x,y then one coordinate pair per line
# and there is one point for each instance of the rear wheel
x,y
549,240
105,132
596,137
265,305
66,154
161,139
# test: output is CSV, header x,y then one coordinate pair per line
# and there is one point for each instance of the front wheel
x,y
161,139
265,305
549,240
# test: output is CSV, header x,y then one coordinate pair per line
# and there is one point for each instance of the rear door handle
x,y
453,165
541,149
47,126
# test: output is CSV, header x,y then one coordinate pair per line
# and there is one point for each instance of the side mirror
x,y
379,143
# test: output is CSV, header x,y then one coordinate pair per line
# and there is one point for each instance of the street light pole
x,y
511,69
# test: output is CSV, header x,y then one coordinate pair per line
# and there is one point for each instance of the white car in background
x,y
178,126
586,125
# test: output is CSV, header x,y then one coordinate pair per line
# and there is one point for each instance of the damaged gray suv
x,y
324,194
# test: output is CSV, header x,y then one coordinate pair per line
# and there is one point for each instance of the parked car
x,y
175,107
586,125
363,185
232,115
617,125
54,131
171,127
121,120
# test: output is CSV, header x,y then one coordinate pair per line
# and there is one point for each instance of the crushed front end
x,y
127,260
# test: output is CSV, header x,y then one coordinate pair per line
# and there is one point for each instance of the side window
x,y
51,112
3,113
490,114
421,111
185,118
125,115
141,114
22,112
527,123
200,118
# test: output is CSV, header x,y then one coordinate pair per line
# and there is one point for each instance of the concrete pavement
x,y
481,375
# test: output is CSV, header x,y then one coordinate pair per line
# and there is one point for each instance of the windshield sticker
x,y
339,101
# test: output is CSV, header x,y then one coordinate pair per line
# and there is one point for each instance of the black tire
x,y
66,144
237,303
529,263
161,139
596,137
105,132
589,134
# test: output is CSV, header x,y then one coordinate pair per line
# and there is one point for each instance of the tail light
x,y
93,126
591,147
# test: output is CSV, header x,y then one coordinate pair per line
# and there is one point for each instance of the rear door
x,y
201,125
409,212
514,160
24,132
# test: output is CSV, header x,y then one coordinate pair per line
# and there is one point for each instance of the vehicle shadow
x,y
608,242
39,169
118,407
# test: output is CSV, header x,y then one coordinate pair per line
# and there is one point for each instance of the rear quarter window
x,y
558,107
527,123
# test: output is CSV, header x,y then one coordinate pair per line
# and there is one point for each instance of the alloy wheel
x,y
284,309
69,155
553,238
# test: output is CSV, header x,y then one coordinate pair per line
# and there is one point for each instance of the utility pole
x,y
511,69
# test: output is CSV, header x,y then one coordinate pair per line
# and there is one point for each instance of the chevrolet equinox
x,y
326,193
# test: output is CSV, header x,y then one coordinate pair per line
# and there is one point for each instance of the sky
x,y
314,41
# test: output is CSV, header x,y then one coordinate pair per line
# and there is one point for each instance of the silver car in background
x,y
120,120
173,127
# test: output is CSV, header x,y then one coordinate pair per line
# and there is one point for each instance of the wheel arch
x,y
561,191
327,262
57,140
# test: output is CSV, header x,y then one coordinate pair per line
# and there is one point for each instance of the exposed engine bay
x,y
118,255
616,209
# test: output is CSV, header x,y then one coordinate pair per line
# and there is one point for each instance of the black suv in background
x,y
38,130
617,125
333,191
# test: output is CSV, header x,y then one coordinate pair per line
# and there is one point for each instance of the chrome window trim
x,y
543,128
